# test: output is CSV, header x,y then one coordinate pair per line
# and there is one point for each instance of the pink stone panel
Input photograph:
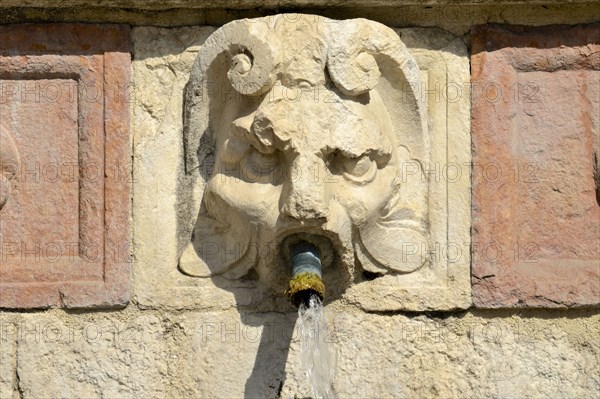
x,y
64,140
536,197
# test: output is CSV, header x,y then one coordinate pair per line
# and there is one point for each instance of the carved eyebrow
x,y
366,139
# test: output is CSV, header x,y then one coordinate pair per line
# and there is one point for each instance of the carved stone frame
x,y
74,51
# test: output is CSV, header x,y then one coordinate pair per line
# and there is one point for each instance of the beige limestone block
x,y
86,356
162,61
242,355
476,354
9,323
460,356
529,354
444,65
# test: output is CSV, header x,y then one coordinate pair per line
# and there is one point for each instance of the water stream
x,y
317,353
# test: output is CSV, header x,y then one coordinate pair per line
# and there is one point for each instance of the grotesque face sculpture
x,y
299,127
9,161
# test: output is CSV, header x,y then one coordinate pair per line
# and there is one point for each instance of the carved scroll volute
x,y
240,53
9,164
368,56
246,49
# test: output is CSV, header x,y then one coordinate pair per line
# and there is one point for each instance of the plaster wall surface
x,y
201,354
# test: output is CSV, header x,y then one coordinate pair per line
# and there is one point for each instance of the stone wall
x,y
516,315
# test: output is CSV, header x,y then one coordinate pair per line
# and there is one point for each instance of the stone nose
x,y
304,195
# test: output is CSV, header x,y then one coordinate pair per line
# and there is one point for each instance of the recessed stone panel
x,y
165,207
536,108
65,183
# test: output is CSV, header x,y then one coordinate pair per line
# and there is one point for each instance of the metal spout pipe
x,y
306,273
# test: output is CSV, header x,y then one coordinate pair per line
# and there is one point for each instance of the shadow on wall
x,y
272,333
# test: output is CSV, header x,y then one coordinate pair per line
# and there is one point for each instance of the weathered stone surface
x,y
442,59
298,127
87,356
533,354
471,355
536,227
463,357
480,353
64,131
256,345
8,355
444,62
162,61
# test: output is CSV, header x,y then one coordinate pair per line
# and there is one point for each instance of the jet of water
x,y
318,356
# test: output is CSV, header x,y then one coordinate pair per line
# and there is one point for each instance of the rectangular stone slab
x,y
536,214
163,58
64,229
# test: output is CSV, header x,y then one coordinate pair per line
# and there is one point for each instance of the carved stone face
x,y
9,160
305,167
310,152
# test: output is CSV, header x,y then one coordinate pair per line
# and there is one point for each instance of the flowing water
x,y
318,355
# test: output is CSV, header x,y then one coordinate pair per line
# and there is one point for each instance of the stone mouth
x,y
321,239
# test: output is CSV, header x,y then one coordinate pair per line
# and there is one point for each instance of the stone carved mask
x,y
9,161
301,125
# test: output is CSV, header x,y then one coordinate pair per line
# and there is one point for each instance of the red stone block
x,y
64,157
536,195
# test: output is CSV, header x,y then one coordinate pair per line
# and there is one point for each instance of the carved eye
x,y
359,170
